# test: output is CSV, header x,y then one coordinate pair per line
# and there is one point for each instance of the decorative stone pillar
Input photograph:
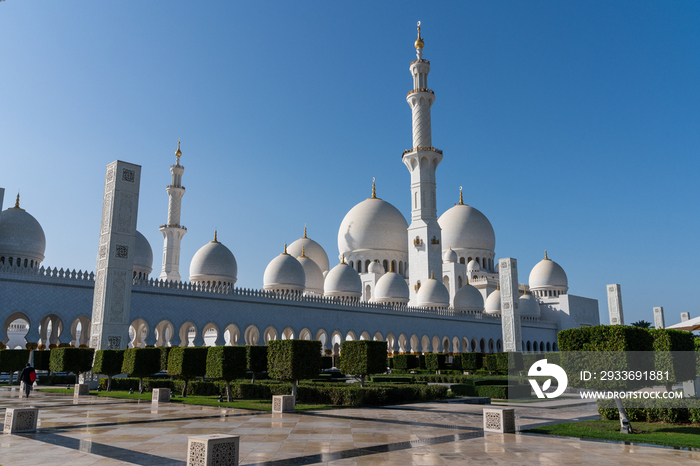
x,y
160,395
659,317
212,450
685,316
510,314
20,420
81,389
283,404
615,305
115,257
501,420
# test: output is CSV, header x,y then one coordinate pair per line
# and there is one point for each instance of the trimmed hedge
x,y
472,361
187,363
256,357
109,363
226,363
605,338
293,359
41,359
164,352
674,352
56,379
405,362
141,362
362,358
326,362
75,360
676,411
13,360
435,361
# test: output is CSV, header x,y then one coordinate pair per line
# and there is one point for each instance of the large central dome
x,y
464,227
373,225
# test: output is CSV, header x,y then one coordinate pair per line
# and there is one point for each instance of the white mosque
x,y
431,285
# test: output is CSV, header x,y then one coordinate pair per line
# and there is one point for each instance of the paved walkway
x,y
103,431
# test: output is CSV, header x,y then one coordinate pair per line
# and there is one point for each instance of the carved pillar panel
x,y
510,314
659,317
115,257
615,305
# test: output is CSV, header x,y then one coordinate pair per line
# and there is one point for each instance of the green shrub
x,y
362,358
56,379
503,391
13,360
186,363
326,362
109,363
463,390
164,352
256,357
226,363
41,360
491,362
674,353
435,361
292,360
140,363
472,361
515,361
405,362
75,360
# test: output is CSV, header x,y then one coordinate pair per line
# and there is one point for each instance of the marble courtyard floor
x,y
104,431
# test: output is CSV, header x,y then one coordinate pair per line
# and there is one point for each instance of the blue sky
x,y
573,126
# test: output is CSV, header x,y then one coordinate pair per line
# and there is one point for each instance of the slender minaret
x,y
424,251
172,230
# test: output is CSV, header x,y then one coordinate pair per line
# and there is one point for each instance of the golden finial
x,y
303,251
498,286
216,240
545,255
177,152
305,230
461,199
391,267
431,275
374,189
285,249
342,259
525,291
17,204
419,42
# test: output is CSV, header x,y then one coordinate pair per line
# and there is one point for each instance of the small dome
x,y
312,249
529,307
391,288
468,298
449,256
473,266
493,303
284,273
376,267
143,255
214,263
464,227
373,225
21,236
433,294
314,276
547,274
343,282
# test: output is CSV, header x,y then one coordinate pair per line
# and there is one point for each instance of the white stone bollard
x,y
213,450
283,404
160,395
19,420
81,389
501,420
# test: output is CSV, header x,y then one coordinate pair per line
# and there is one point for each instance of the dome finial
x,y
419,42
374,189
304,231
391,267
285,249
177,152
216,239
303,250
545,255
498,286
461,199
431,275
342,259
17,203
525,291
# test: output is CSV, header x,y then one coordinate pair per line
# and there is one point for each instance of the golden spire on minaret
x,y
17,204
374,189
461,199
178,154
419,42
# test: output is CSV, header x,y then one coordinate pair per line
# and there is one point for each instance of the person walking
x,y
28,376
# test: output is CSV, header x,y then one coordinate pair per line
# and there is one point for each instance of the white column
x,y
510,314
659,317
615,305
115,257
685,316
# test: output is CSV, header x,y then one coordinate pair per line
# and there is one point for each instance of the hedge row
x,y
668,411
492,391
13,360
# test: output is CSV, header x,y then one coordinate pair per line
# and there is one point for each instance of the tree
x,y
109,363
641,324
41,360
435,361
75,360
674,354
186,363
256,359
141,362
226,363
292,360
13,360
362,358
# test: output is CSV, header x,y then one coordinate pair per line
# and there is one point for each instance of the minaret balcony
x,y
420,89
174,225
422,149
420,60
173,186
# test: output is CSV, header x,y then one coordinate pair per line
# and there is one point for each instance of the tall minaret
x,y
424,251
172,230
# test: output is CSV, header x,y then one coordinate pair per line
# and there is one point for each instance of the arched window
x,y
461,260
352,264
400,267
386,265
542,347
393,265
469,260
459,282
367,262
2,260
359,266
528,346
549,348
